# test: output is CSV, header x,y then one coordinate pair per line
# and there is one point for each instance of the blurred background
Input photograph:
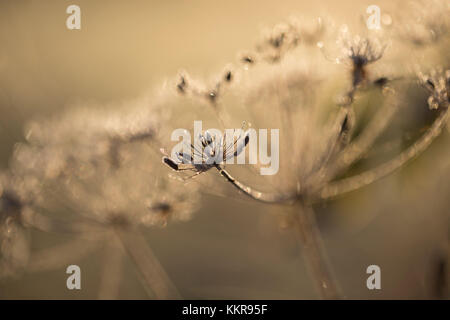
x,y
232,248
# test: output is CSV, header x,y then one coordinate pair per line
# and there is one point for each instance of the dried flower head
x,y
187,86
212,150
359,52
277,41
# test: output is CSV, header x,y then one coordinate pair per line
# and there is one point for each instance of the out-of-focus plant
x,y
98,176
103,169
287,88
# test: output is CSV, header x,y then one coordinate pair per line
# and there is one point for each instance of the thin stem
x,y
308,233
254,194
350,184
153,274
111,270
355,150
315,254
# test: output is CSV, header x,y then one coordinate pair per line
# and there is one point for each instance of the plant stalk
x,y
153,274
314,253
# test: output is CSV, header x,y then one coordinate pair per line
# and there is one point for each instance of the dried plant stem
x,y
111,270
308,233
314,253
254,194
349,184
362,144
337,139
153,274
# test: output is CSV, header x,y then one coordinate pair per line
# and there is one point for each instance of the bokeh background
x,y
232,248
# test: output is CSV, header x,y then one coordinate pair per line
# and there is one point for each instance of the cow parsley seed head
x,y
362,51
211,149
355,51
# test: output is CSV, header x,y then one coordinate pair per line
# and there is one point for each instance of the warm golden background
x,y
231,248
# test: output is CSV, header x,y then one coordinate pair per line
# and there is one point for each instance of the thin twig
x,y
112,269
254,194
350,184
153,274
314,252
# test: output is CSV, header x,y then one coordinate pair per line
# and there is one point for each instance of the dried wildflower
x,y
278,40
357,52
319,142
360,52
438,85
213,150
186,85
105,169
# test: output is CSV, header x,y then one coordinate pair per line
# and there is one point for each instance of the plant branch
x,y
314,252
353,183
153,274
355,150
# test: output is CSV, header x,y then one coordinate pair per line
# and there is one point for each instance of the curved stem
x,y
355,150
315,254
254,194
153,274
350,184
308,233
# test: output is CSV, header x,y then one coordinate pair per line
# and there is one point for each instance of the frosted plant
x,y
320,143
103,168
188,86
98,177
212,152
